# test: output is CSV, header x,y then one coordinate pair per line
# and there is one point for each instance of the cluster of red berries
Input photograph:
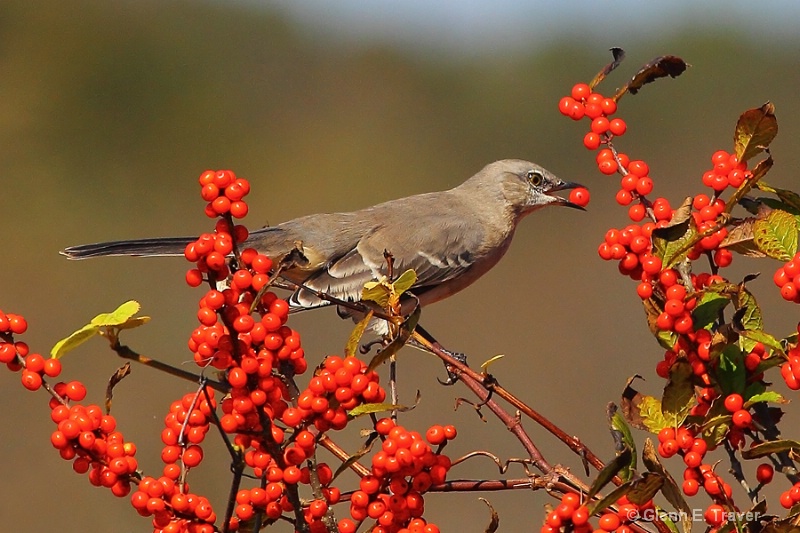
x,y
697,473
402,470
581,103
726,171
340,385
224,192
186,426
791,497
89,438
790,370
17,356
173,508
571,515
787,278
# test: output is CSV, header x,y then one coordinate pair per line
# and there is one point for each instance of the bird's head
x,y
524,186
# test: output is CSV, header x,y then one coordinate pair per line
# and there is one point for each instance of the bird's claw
x,y
452,377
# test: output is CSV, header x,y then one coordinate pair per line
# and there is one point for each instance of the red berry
x,y
764,473
581,91
579,196
591,140
734,402
617,126
742,418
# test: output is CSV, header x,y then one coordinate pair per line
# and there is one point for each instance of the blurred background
x,y
110,110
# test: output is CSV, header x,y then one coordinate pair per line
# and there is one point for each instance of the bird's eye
x,y
535,178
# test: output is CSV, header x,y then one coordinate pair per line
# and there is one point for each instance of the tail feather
x,y
164,246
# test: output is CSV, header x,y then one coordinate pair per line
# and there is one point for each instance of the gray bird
x,y
450,238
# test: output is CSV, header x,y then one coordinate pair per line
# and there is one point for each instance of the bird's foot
x,y
452,377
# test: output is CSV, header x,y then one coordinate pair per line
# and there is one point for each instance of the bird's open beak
x,y
564,186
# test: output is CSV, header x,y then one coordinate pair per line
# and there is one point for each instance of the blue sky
x,y
501,25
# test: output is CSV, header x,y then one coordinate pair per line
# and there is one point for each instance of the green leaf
x,y
756,336
406,280
355,336
708,307
754,131
715,429
766,448
767,396
367,408
652,417
679,395
612,468
74,340
118,316
620,427
776,234
378,292
731,372
749,316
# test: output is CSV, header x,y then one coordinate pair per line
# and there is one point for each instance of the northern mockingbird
x,y
450,238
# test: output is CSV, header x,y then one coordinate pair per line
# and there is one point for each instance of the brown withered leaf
x,y
631,398
755,129
494,523
660,67
115,378
618,55
740,238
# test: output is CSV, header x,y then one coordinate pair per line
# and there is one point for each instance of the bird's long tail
x,y
269,240
163,246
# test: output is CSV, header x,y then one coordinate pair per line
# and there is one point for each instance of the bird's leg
x,y
452,378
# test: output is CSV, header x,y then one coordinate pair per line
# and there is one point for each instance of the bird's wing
x,y
443,249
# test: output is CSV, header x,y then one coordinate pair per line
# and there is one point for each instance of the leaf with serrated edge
x,y
774,446
355,337
134,322
755,129
776,234
74,340
670,489
767,396
756,336
740,239
118,316
652,417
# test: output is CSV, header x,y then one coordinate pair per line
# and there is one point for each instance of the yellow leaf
x,y
119,316
74,340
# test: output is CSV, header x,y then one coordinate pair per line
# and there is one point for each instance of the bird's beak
x,y
564,186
